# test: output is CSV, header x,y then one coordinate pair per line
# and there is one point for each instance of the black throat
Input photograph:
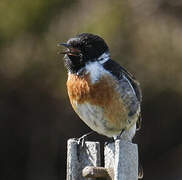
x,y
74,63
83,48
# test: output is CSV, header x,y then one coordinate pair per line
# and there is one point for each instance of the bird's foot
x,y
81,140
119,136
140,171
111,140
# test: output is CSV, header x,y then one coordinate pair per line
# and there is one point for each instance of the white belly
x,y
93,116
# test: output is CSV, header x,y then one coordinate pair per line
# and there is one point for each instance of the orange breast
x,y
102,93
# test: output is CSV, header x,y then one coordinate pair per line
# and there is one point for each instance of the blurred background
x,y
36,118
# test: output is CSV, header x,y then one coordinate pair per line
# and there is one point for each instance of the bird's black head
x,y
82,49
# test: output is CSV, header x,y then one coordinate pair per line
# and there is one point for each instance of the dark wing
x,y
118,71
134,83
125,77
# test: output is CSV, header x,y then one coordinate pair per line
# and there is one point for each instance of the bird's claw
x,y
81,140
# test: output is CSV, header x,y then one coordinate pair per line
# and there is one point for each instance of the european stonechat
x,y
103,94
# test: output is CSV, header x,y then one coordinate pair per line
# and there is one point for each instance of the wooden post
x,y
79,157
121,161
109,155
126,160
122,157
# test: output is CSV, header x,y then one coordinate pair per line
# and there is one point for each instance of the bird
x,y
103,94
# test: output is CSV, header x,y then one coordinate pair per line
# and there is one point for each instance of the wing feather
x,y
129,87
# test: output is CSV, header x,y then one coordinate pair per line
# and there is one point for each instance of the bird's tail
x,y
140,171
139,122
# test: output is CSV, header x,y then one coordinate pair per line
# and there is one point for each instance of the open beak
x,y
64,44
70,50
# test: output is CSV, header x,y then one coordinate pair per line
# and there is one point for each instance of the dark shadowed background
x,y
36,118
